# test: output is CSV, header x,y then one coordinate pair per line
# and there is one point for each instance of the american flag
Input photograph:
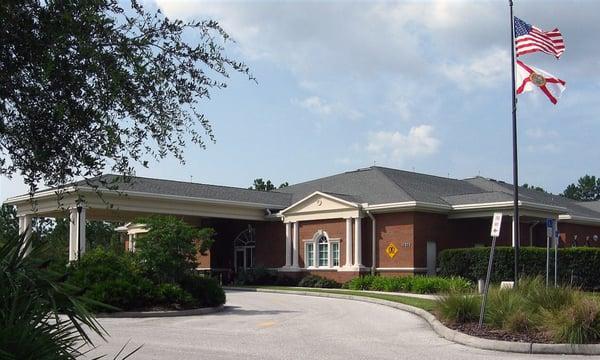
x,y
530,39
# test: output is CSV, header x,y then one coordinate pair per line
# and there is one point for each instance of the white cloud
x,y
544,148
541,134
419,141
483,71
318,106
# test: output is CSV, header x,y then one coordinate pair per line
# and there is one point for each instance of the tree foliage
x,y
533,187
261,185
167,252
9,225
90,85
586,189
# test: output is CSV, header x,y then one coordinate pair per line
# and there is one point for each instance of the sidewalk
x,y
418,296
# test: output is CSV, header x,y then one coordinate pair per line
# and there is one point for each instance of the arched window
x,y
321,251
244,245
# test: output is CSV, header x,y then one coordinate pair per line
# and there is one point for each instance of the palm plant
x,y
41,315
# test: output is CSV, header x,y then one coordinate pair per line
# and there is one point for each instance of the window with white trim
x,y
309,254
322,251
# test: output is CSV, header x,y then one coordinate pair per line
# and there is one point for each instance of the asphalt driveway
x,y
276,326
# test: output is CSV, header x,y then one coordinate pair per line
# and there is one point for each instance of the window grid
x,y
323,251
335,254
310,253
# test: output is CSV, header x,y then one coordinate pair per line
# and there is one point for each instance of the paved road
x,y
275,326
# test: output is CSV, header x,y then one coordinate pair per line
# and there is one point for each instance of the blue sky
x,y
422,85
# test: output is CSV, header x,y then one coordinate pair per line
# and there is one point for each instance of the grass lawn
x,y
425,304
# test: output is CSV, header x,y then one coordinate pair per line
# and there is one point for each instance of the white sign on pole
x,y
496,223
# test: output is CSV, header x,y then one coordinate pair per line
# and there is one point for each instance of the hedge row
x,y
576,266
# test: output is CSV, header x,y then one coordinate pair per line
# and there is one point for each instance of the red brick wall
x,y
339,276
567,232
396,228
270,244
428,227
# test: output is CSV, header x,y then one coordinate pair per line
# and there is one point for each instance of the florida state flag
x,y
529,78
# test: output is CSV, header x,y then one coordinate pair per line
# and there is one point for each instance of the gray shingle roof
x,y
182,188
365,185
373,185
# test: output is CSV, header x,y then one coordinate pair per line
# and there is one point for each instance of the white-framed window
x,y
335,253
309,254
321,251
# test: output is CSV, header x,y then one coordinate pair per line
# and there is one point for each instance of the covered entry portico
x,y
86,203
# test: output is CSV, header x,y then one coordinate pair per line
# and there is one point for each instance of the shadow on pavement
x,y
237,310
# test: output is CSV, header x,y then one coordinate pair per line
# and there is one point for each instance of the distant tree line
x,y
261,185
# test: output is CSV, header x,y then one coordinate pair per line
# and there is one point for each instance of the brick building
x,y
376,219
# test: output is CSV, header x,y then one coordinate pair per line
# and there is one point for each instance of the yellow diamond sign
x,y
391,250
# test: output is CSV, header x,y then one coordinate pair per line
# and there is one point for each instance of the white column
x,y
348,242
25,227
295,246
512,236
76,233
288,245
357,242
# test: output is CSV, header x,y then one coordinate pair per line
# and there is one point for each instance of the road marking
x,y
266,324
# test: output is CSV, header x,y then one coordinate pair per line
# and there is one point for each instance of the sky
x,y
416,85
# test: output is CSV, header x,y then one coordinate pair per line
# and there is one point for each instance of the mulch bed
x,y
497,334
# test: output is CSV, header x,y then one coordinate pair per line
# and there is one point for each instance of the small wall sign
x,y
391,250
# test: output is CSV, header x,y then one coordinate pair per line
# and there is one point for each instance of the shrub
x,y
205,290
458,307
112,279
173,295
122,293
576,266
502,306
360,283
256,276
578,323
315,281
416,284
167,252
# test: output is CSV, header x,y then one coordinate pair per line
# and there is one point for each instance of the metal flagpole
x,y
516,226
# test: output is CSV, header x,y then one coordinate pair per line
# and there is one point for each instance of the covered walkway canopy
x,y
101,199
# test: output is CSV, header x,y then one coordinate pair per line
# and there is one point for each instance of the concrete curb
x,y
450,334
157,314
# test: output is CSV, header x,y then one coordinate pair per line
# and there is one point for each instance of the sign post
x,y
549,235
495,232
556,238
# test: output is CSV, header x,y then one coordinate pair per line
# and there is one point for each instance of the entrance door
x,y
243,253
431,257
240,259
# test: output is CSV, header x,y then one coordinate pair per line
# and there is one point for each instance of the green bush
x,y
577,323
458,307
415,284
205,290
315,281
503,306
173,295
167,252
124,294
576,266
112,279
256,276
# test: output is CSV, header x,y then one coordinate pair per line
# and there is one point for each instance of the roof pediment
x,y
319,205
